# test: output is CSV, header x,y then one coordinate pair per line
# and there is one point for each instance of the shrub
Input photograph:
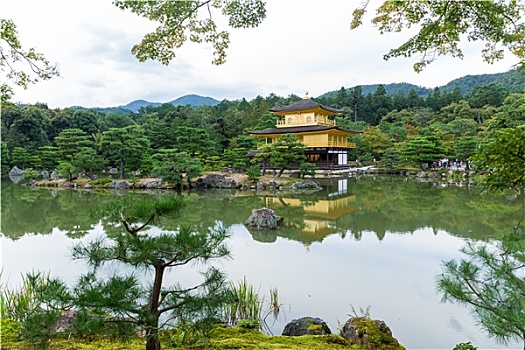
x,y
10,330
101,182
307,169
254,173
30,174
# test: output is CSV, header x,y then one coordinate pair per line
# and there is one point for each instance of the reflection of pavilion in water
x,y
320,214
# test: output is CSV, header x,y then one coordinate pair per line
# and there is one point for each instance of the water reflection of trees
x,y
398,206
35,211
379,205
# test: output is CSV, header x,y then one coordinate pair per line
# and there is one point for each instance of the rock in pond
x,y
307,185
264,218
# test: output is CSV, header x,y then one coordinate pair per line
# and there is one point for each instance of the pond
x,y
371,242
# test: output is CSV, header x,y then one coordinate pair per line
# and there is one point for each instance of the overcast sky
x,y
302,45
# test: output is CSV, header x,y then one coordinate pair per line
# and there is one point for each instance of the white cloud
x,y
301,46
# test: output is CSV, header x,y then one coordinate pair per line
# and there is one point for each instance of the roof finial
x,y
306,95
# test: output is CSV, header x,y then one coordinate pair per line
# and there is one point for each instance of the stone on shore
x,y
306,325
15,171
370,334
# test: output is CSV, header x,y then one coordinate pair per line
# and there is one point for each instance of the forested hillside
x,y
172,141
512,81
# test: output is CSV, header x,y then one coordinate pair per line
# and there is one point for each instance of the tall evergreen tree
x,y
357,103
380,105
413,99
423,150
70,141
341,98
399,101
287,151
489,94
172,166
434,99
127,147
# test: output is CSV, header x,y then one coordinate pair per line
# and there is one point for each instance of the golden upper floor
x,y
304,113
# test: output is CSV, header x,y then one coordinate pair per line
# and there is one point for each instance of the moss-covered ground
x,y
219,338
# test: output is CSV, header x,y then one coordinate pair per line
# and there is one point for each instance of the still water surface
x,y
375,242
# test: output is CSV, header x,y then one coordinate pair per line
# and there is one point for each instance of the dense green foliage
x,y
208,138
504,159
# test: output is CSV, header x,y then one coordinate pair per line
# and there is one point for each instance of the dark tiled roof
x,y
299,129
303,105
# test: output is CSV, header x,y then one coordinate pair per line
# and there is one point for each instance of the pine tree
x,y
151,306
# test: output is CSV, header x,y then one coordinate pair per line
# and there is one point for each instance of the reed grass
x,y
16,304
249,309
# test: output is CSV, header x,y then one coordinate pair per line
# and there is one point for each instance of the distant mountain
x,y
194,101
512,81
137,104
186,100
134,106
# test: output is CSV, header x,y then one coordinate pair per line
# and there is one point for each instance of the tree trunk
x,y
121,168
157,286
264,167
153,342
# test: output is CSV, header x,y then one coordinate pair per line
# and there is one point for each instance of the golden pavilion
x,y
326,144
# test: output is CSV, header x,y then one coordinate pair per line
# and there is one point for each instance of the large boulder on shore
x,y
370,334
264,218
306,325
215,181
307,185
119,185
15,171
55,176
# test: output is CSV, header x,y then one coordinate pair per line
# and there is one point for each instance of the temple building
x,y
326,144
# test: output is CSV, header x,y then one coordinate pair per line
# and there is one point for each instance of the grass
x,y
249,309
16,304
